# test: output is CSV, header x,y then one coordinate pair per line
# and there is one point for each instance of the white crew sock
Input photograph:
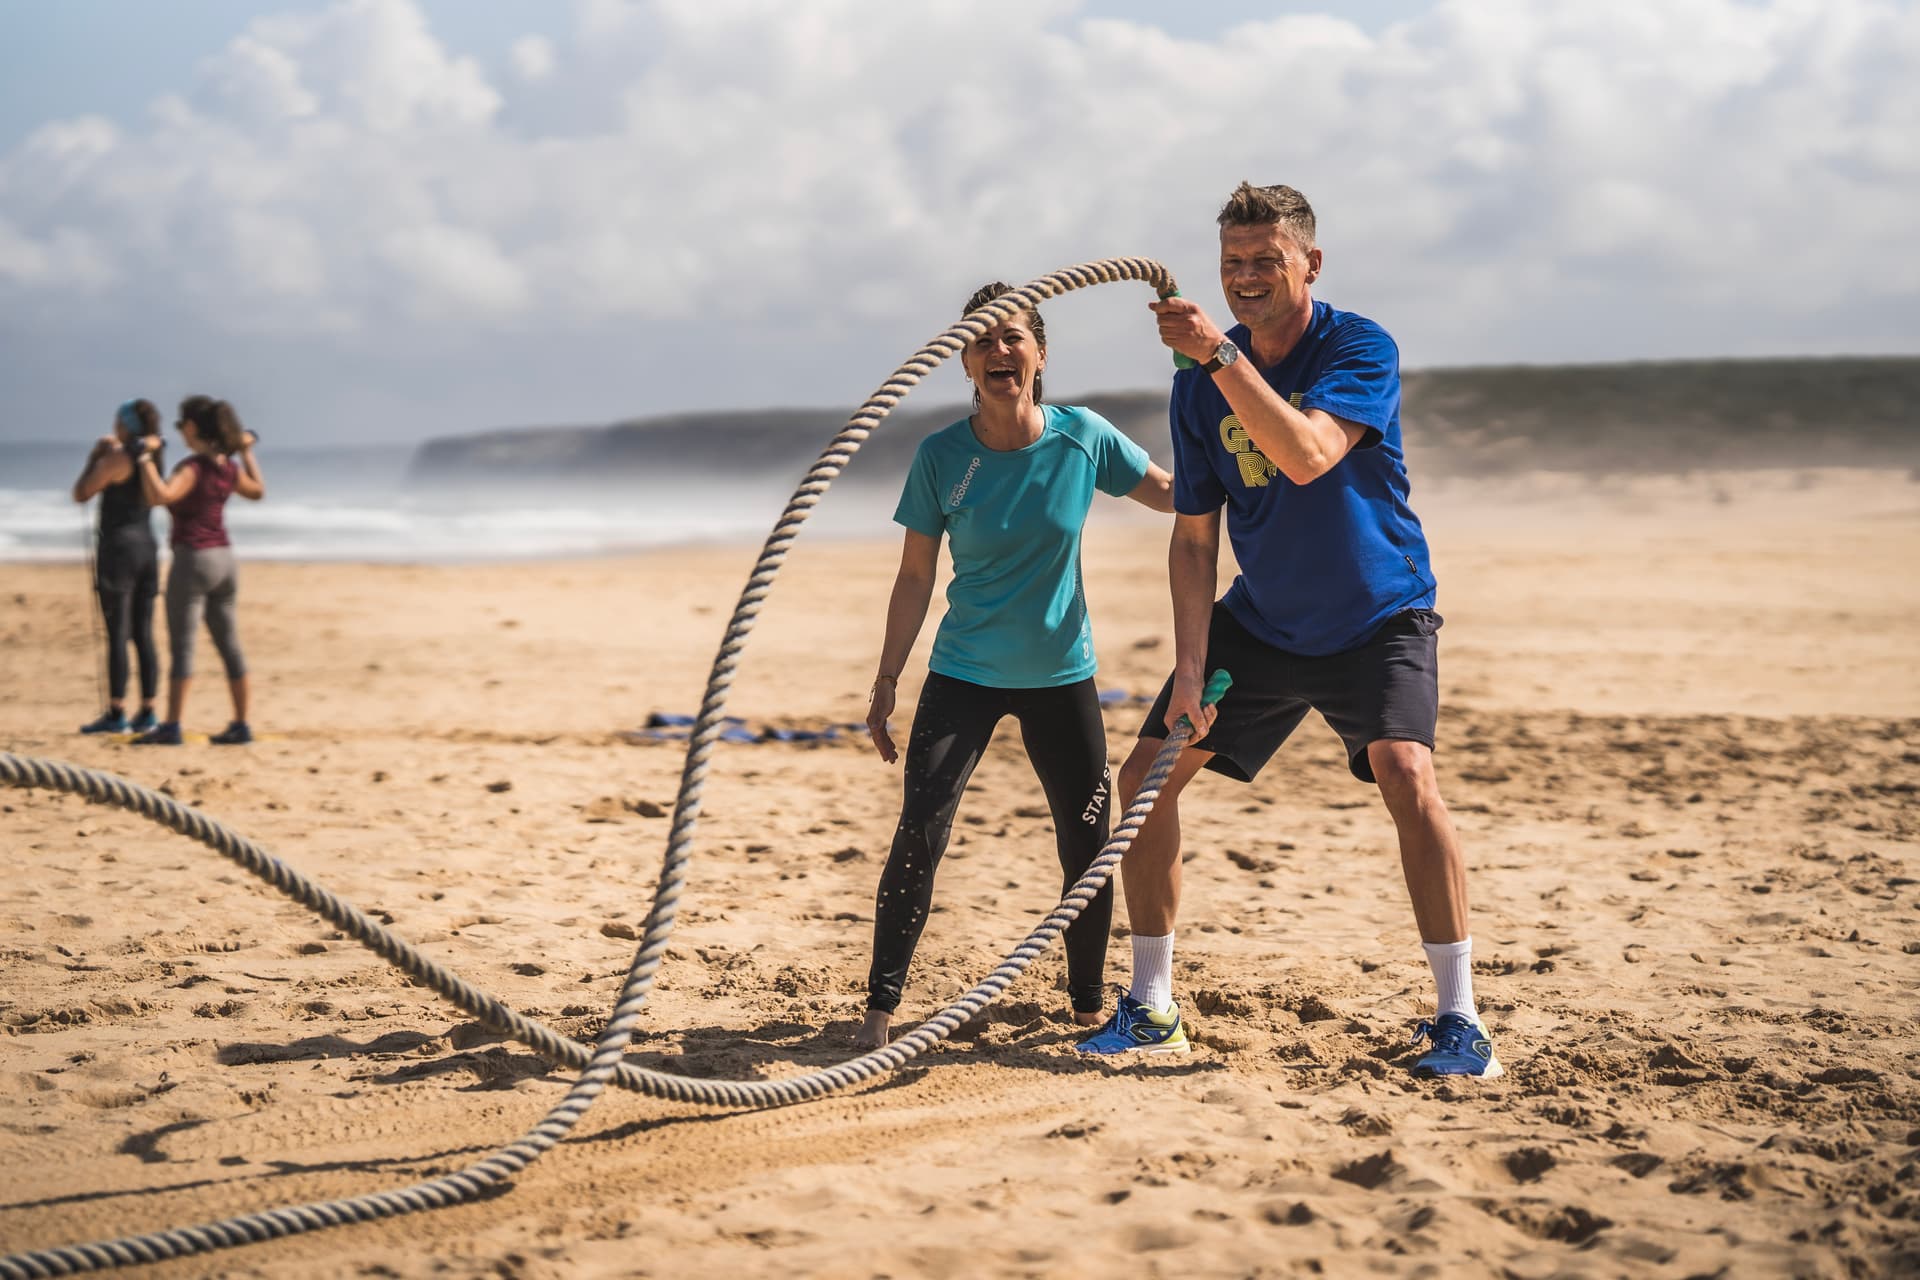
x,y
1153,972
1452,964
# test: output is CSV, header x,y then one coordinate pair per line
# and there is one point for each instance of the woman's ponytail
x,y
233,436
215,422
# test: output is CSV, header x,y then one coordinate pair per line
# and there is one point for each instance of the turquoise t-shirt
x,y
1016,609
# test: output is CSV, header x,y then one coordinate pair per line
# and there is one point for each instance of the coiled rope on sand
x,y
603,1063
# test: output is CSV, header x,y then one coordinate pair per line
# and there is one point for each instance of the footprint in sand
x,y
1527,1164
1248,862
1371,1173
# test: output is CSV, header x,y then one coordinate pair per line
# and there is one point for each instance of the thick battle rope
x,y
603,1062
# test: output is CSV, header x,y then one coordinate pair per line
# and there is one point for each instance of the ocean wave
x,y
45,525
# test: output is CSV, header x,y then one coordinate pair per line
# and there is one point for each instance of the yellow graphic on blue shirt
x,y
1255,470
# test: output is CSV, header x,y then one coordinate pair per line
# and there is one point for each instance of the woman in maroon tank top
x,y
202,581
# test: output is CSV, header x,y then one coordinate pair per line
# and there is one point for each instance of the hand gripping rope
x,y
603,1062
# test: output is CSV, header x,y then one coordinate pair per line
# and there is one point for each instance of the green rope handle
x,y
1217,685
1181,361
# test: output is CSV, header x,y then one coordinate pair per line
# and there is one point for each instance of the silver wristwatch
x,y
1223,355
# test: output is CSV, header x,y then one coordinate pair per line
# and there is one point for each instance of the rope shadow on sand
x,y
246,1053
270,1169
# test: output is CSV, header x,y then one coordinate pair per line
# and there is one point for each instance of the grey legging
x,y
203,579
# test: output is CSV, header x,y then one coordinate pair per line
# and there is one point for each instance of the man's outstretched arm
x,y
1193,574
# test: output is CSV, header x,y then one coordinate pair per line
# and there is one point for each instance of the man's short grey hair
x,y
1251,206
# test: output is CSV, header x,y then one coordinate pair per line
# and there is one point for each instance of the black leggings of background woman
x,y
93,606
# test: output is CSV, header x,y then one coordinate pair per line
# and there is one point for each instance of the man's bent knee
x,y
1139,764
1404,770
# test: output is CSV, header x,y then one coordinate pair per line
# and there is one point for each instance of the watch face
x,y
1225,354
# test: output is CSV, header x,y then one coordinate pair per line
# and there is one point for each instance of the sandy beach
x,y
1680,735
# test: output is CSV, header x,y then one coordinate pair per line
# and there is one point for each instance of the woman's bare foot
x,y
873,1032
1088,1019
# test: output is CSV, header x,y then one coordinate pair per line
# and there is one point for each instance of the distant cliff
x,y
724,444
1670,416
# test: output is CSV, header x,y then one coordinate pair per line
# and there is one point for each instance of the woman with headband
x,y
126,567
202,579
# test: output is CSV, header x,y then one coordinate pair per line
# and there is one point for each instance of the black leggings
x,y
1067,743
127,578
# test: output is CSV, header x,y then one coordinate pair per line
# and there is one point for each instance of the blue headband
x,y
129,415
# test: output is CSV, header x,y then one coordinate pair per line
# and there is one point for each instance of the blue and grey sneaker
x,y
1460,1048
1134,1028
164,734
142,721
112,720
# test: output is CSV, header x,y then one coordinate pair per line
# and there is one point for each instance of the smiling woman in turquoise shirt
x,y
1009,487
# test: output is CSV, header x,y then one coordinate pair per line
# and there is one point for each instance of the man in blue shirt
x,y
1291,422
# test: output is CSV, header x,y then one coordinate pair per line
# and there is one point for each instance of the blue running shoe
x,y
1134,1028
142,721
111,720
1460,1048
235,734
164,734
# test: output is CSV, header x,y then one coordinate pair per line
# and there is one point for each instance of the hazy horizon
x,y
505,492
927,397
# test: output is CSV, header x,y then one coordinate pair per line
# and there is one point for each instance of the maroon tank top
x,y
197,518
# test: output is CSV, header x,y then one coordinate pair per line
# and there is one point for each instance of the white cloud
x,y
379,65
533,58
1495,181
73,144
276,255
66,260
454,268
253,79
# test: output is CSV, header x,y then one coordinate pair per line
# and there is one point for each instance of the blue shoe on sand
x,y
142,721
1460,1048
164,734
1134,1028
235,734
111,720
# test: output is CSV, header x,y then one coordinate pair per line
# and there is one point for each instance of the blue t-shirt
x,y
1322,565
1016,611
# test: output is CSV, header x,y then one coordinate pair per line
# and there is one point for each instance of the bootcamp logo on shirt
x,y
960,490
1255,470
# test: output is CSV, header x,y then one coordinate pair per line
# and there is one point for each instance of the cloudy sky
x,y
386,219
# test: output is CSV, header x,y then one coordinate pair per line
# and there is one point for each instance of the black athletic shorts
x,y
1387,688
